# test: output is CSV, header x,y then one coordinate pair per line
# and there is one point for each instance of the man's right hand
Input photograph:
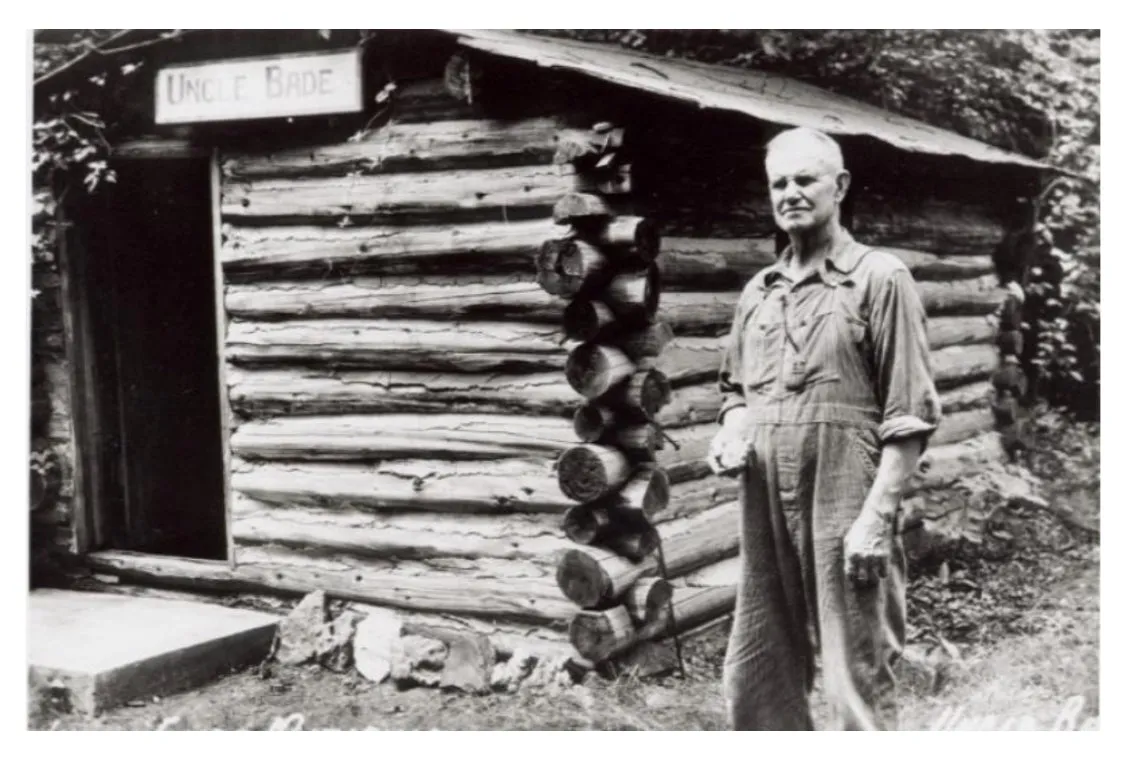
x,y
729,449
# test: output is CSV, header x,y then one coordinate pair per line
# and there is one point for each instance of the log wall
x,y
395,372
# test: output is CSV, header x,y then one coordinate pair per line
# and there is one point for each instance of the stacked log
x,y
1009,382
605,266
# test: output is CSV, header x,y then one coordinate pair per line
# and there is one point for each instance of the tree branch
x,y
103,50
80,57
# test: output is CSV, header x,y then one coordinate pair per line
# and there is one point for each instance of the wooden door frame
x,y
78,345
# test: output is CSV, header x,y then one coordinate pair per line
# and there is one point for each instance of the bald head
x,y
808,144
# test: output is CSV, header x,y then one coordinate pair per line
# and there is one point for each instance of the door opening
x,y
152,366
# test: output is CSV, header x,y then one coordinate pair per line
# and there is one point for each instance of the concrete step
x,y
104,650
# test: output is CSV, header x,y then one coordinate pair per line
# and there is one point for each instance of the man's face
x,y
806,188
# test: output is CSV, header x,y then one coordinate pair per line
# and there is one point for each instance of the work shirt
x,y
846,345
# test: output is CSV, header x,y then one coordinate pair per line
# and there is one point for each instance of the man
x,y
829,402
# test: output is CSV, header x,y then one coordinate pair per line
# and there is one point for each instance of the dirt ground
x,y
1017,619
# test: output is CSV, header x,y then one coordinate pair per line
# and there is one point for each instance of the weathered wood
x,y
634,295
1008,376
593,422
724,572
648,600
696,403
693,606
588,472
517,589
587,524
494,247
451,196
975,296
711,313
443,145
517,297
646,494
584,149
408,345
596,577
956,427
713,264
592,369
924,224
466,586
469,297
641,396
1010,343
598,635
582,208
389,437
976,394
926,266
699,313
580,267
499,486
632,539
954,366
398,535
688,360
628,234
648,341
596,639
587,320
726,264
548,274
310,391
697,496
638,441
953,331
688,460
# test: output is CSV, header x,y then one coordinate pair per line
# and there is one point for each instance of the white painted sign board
x,y
259,88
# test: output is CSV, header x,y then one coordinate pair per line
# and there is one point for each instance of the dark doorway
x,y
152,367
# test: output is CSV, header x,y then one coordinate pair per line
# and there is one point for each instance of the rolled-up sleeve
x,y
902,361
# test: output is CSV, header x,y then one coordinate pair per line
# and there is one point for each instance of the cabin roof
x,y
765,96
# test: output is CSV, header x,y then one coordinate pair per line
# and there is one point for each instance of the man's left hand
x,y
868,544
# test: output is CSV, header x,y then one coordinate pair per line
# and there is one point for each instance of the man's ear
x,y
842,181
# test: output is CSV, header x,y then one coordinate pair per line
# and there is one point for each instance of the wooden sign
x,y
259,88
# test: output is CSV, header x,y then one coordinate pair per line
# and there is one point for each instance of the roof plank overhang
x,y
765,96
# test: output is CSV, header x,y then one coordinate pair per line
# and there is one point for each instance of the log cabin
x,y
432,322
